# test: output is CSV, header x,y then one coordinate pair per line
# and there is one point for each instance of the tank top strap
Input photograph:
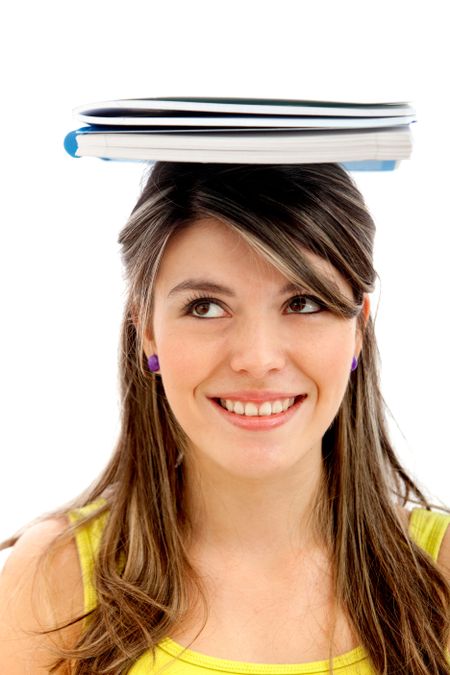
x,y
88,540
427,529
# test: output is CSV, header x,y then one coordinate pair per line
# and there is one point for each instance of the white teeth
x,y
265,408
252,410
277,406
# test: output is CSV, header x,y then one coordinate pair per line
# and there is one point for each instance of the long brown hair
x,y
394,594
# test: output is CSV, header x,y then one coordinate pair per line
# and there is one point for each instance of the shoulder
x,y
443,560
437,528
36,593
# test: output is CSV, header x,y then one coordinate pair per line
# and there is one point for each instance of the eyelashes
x,y
304,300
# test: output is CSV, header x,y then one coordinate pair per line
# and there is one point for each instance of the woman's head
x,y
255,230
253,337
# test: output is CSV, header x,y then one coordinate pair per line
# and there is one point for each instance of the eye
x,y
305,304
201,303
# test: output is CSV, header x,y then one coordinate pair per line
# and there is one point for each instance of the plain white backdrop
x,y
62,289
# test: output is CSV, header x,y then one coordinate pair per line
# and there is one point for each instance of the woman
x,y
254,510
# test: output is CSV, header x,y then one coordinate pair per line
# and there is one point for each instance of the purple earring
x,y
153,363
354,363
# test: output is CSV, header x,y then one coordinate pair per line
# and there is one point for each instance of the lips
x,y
257,422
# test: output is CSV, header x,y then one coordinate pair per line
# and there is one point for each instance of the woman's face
x,y
257,339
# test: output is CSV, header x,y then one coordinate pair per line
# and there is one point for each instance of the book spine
x,y
71,145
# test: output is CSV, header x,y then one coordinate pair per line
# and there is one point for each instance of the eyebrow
x,y
212,287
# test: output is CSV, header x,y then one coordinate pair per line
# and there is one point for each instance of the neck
x,y
262,519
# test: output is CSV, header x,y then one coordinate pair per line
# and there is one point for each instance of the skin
x,y
243,484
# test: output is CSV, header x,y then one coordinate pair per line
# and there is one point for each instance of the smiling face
x,y
260,338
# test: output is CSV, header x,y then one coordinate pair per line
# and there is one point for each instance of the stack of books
x,y
360,136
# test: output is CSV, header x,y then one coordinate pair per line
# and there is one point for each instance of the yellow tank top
x,y
426,528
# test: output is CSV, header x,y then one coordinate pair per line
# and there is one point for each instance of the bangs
x,y
286,253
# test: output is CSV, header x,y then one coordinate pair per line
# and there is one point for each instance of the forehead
x,y
210,247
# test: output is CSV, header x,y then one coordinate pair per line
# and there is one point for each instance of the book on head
x,y
369,136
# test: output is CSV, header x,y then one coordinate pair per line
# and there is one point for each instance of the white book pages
x,y
251,106
392,144
251,121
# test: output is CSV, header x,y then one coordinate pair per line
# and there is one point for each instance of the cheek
x,y
332,358
186,357
188,365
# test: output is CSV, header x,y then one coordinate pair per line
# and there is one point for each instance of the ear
x,y
148,342
366,308
365,313
149,347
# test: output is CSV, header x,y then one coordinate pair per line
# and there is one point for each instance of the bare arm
x,y
31,600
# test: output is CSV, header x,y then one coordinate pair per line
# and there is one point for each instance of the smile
x,y
258,417
252,409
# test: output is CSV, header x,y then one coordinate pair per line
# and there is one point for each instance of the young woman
x,y
254,516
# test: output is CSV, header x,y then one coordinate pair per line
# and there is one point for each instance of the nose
x,y
258,347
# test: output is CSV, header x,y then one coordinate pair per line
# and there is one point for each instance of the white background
x,y
62,290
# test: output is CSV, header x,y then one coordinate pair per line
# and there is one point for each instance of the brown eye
x,y
300,302
200,305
